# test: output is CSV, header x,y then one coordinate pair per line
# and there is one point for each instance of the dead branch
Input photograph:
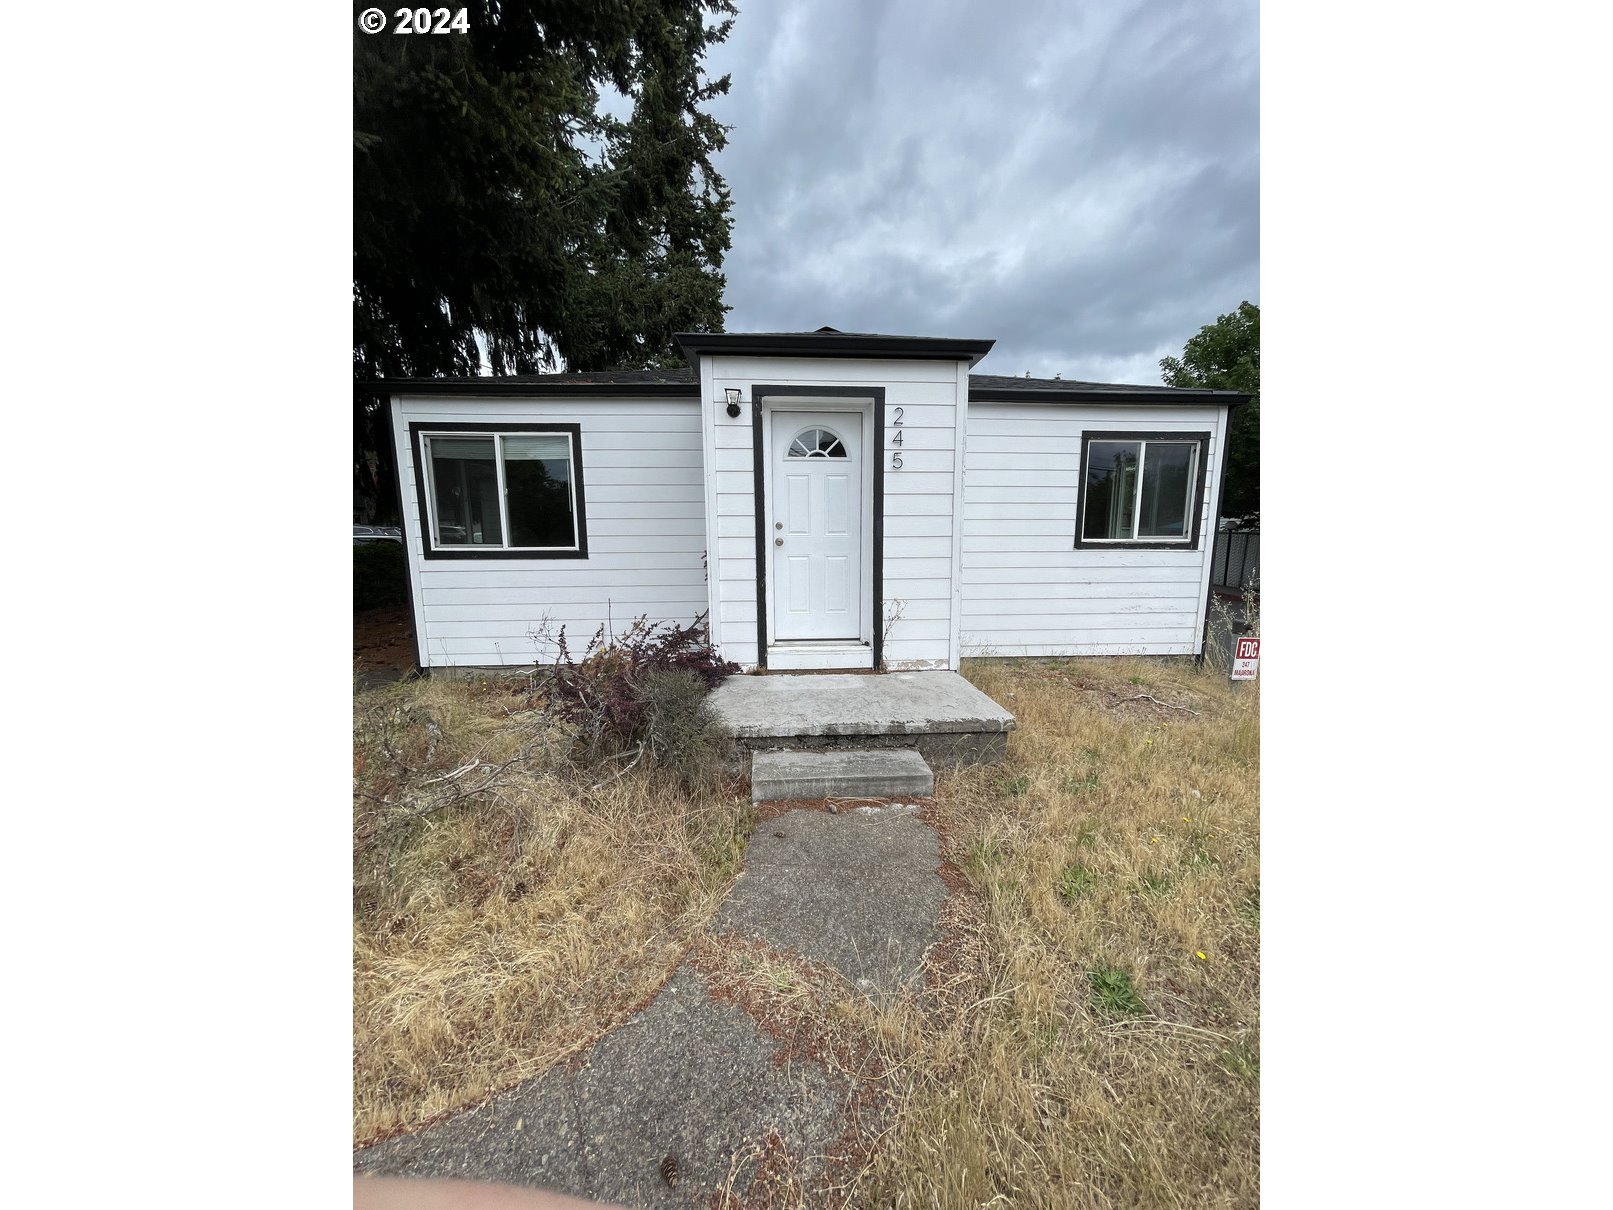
x,y
463,769
1146,1022
460,794
622,772
1147,698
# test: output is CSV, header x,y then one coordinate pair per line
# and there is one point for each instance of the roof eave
x,y
558,390
499,387
1077,395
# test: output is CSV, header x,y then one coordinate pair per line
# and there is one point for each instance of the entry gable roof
x,y
827,342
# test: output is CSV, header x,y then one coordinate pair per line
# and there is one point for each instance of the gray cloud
x,y
1080,182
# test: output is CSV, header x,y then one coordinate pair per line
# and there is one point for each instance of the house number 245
x,y
896,439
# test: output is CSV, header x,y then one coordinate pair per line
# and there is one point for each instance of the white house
x,y
831,500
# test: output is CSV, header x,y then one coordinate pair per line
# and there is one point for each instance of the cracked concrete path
x,y
694,1078
856,891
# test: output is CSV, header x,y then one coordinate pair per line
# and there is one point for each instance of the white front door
x,y
815,525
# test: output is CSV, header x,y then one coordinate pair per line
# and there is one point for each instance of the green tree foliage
x,y
1225,356
504,216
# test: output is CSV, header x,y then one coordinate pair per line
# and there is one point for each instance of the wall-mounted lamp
x,y
733,401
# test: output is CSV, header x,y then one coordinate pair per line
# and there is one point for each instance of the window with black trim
x,y
1141,490
514,491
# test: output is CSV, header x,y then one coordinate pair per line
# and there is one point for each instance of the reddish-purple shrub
x,y
604,691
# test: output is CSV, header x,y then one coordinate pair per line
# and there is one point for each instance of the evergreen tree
x,y
504,217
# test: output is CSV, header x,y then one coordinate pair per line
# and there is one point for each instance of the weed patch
x,y
1250,909
1198,854
1113,994
983,855
1241,1060
1081,783
1153,882
1075,881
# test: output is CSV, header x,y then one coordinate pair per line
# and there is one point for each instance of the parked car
x,y
377,533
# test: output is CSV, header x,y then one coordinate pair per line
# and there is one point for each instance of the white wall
x,y
1026,590
645,506
921,539
653,512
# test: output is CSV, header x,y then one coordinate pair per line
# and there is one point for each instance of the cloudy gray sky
x,y
1079,181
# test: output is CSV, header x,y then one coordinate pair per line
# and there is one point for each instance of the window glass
x,y
817,443
513,491
465,481
1140,489
537,485
1111,489
1167,474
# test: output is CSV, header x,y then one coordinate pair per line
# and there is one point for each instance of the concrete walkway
x,y
697,1079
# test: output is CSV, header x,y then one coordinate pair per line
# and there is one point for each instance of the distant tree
x,y
503,217
1225,355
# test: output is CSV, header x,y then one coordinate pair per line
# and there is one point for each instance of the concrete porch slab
x,y
892,703
942,715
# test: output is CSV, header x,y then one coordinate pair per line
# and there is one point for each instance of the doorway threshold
x,y
819,655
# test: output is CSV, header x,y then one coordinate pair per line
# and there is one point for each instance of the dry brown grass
x,y
1121,838
498,933
1016,1084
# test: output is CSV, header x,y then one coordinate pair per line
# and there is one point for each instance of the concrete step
x,y
885,773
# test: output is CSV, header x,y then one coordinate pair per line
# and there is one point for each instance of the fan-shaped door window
x,y
817,443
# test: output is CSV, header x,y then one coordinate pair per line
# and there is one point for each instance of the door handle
x,y
778,541
778,525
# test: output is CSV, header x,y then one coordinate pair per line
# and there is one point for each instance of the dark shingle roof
x,y
1008,382
682,376
684,382
678,382
1000,388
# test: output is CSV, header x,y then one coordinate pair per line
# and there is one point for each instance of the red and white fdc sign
x,y
1245,659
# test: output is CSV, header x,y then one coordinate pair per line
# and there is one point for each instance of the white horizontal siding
x,y
1018,610
930,504
915,589
840,371
643,498
986,568
1026,590
1091,645
686,510
903,526
531,601
900,569
648,415
920,569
